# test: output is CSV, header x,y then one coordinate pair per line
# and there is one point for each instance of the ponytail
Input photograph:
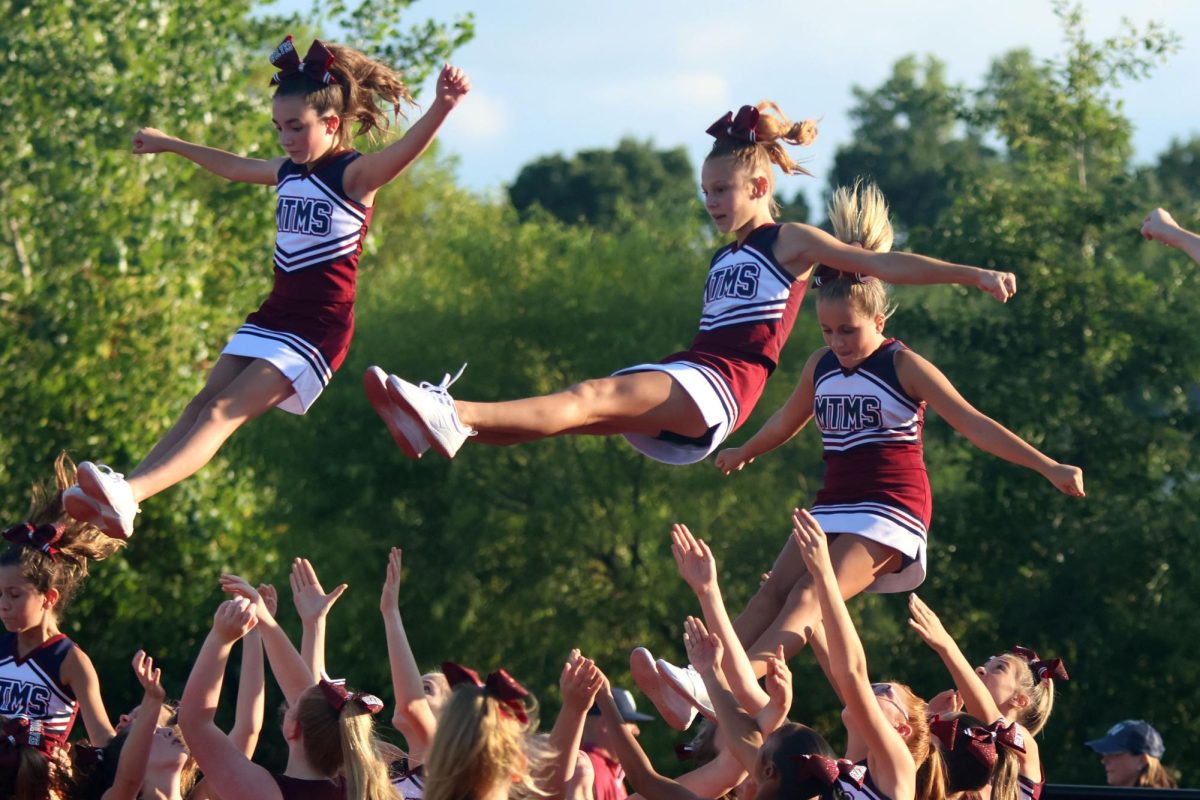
x,y
1032,717
61,562
860,216
343,742
361,83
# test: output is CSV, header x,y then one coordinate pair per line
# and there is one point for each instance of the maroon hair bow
x,y
1008,735
980,742
336,693
827,770
316,64
1043,669
18,732
40,537
499,685
739,128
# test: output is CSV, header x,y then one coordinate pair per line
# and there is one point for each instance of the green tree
x,y
909,137
593,185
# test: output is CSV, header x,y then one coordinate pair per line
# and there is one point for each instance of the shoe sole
x,y
395,391
80,507
645,675
404,431
682,691
107,519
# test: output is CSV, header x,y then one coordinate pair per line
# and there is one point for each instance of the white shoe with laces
x,y
405,430
432,407
688,684
107,500
675,711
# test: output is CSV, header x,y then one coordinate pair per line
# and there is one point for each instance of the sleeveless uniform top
x,y
750,306
303,789
31,686
875,482
846,789
319,232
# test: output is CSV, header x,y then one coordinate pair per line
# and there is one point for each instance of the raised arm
x,y
291,673
889,758
312,605
924,381
698,568
641,773
412,717
800,246
1160,226
80,676
581,679
367,174
135,754
785,423
252,683
975,696
229,773
705,651
227,165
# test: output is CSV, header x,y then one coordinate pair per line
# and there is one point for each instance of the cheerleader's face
x,y
437,691
850,334
22,606
1001,681
733,196
167,750
304,136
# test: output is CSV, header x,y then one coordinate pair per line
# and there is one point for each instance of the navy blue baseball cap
x,y
1131,736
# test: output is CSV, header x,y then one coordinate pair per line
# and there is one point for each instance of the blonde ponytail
x,y
343,742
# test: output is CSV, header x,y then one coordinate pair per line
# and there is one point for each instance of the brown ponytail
x,y
65,570
361,83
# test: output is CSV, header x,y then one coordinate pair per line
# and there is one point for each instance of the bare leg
x,y
643,402
856,561
223,373
770,598
258,388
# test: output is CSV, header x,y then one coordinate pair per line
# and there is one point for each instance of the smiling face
x,y
850,334
22,606
304,136
734,196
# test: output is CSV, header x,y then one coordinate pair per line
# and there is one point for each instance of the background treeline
x,y
121,278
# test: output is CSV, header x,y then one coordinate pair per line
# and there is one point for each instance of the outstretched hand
x,y
944,702
1067,479
694,559
312,604
733,459
389,598
927,624
581,679
704,649
234,619
779,682
240,587
149,140
810,538
149,676
452,85
269,597
1000,285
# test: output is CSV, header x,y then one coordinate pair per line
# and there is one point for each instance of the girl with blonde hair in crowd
x,y
332,750
680,410
1014,691
287,351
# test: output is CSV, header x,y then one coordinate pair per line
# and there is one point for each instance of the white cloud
x,y
479,119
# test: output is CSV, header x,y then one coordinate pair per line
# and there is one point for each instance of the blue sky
x,y
561,76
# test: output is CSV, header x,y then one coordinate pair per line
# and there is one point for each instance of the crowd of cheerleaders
x,y
866,392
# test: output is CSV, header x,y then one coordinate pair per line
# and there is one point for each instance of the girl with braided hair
x,y
43,674
679,410
287,351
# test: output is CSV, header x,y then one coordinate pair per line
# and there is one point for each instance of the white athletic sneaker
x,y
433,408
688,684
404,429
675,711
115,507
